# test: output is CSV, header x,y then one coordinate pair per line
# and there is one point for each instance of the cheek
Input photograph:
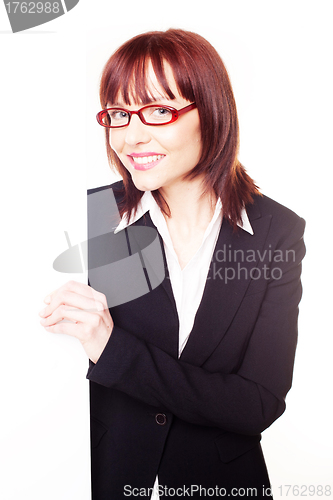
x,y
116,144
191,143
181,139
115,141
190,131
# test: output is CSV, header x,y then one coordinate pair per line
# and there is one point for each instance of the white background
x,y
279,58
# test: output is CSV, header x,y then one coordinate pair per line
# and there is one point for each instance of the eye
x,y
157,114
118,115
161,112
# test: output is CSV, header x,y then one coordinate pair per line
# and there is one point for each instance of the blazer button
x,y
160,418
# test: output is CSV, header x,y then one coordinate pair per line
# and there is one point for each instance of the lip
x,y
146,153
144,166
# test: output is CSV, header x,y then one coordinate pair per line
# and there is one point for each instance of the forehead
x,y
146,86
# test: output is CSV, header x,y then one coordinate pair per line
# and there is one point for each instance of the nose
x,y
137,132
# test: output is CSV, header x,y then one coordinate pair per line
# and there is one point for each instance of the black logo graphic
x,y
25,15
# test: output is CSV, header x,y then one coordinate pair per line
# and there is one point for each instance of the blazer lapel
x,y
225,286
166,283
166,335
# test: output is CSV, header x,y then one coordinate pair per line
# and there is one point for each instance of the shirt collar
x,y
148,203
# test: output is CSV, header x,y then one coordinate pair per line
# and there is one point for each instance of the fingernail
x,y
47,299
42,312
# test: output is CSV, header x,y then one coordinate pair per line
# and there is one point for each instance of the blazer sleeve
x,y
246,402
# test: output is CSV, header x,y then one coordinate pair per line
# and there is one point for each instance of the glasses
x,y
149,115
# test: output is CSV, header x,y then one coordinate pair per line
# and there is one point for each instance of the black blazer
x,y
196,421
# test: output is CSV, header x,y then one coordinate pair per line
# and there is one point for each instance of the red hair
x,y
200,76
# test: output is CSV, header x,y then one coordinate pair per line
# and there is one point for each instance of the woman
x,y
188,370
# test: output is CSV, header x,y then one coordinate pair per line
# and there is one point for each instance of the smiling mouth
x,y
145,162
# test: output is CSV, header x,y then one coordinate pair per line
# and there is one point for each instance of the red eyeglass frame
x,y
175,115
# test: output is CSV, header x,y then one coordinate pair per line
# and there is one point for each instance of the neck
x,y
190,209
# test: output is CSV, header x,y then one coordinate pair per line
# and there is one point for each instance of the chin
x,y
145,184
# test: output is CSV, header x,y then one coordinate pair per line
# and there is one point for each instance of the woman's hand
x,y
86,316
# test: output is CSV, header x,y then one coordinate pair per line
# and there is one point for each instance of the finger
x,y
71,329
72,299
76,287
74,315
62,296
67,286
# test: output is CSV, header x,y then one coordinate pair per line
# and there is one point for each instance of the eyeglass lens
x,y
152,115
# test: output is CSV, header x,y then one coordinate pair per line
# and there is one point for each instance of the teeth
x,y
142,160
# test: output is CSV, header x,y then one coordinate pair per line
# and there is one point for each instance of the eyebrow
x,y
154,99
115,105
